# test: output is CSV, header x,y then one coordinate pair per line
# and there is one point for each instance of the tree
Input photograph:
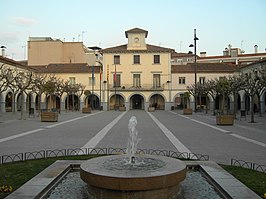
x,y
20,81
49,88
222,86
210,87
252,84
39,80
186,96
236,84
3,80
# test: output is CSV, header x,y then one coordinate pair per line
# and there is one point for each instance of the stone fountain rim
x,y
170,175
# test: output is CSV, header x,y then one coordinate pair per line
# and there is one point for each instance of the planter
x,y
86,110
151,109
225,120
122,108
187,111
49,116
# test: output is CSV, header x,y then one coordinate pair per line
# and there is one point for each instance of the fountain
x,y
133,175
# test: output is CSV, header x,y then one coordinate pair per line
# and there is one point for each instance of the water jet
x,y
133,175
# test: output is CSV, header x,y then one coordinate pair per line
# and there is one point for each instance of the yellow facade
x,y
143,72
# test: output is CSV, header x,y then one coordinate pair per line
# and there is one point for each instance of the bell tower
x,y
136,39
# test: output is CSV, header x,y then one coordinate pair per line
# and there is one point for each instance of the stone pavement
x,y
167,130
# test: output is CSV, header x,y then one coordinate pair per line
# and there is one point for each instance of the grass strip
x,y
14,175
254,180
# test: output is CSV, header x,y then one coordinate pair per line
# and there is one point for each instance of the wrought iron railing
x,y
249,165
141,87
95,151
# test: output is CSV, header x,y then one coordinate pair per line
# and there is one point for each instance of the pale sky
x,y
170,23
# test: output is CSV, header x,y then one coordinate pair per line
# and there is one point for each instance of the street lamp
x,y
195,67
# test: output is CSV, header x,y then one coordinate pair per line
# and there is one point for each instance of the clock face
x,y
136,39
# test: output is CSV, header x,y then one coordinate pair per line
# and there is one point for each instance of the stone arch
x,y
157,100
137,101
116,100
92,100
9,103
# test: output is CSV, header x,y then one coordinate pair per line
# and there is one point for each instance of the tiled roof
x,y
66,68
262,61
123,49
12,62
229,56
136,30
175,55
205,68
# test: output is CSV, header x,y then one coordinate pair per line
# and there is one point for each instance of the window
x,y
136,80
116,59
202,80
156,81
116,78
182,80
156,59
92,81
72,80
136,59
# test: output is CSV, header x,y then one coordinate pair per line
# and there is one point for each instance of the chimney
x,y
226,52
203,54
3,51
256,49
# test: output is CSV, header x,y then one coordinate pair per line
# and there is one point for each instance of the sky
x,y
170,23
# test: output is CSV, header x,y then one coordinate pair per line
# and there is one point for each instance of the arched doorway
x,y
53,102
92,101
28,101
247,103
157,101
9,104
72,102
37,102
19,102
137,102
116,101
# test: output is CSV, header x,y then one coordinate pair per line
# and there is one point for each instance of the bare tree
x,y
20,81
39,80
253,84
236,83
3,80
49,88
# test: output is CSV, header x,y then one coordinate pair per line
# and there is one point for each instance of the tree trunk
x,y
235,104
223,99
22,106
40,101
252,110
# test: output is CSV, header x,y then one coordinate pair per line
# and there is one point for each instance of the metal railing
x,y
141,87
248,165
95,151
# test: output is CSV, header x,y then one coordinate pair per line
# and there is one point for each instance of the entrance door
x,y
137,102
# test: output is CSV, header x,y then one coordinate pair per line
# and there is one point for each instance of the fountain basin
x,y
108,176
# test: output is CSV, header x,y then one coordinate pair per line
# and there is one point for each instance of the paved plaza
x,y
166,130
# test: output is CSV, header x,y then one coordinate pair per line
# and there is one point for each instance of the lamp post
x,y
195,67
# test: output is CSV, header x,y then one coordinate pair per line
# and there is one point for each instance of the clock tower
x,y
136,39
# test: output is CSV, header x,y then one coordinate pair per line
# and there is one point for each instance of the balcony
x,y
131,87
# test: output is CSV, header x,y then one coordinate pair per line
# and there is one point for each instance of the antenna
x,y
82,33
242,50
180,46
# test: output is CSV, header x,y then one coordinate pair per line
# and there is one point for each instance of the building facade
x,y
137,75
